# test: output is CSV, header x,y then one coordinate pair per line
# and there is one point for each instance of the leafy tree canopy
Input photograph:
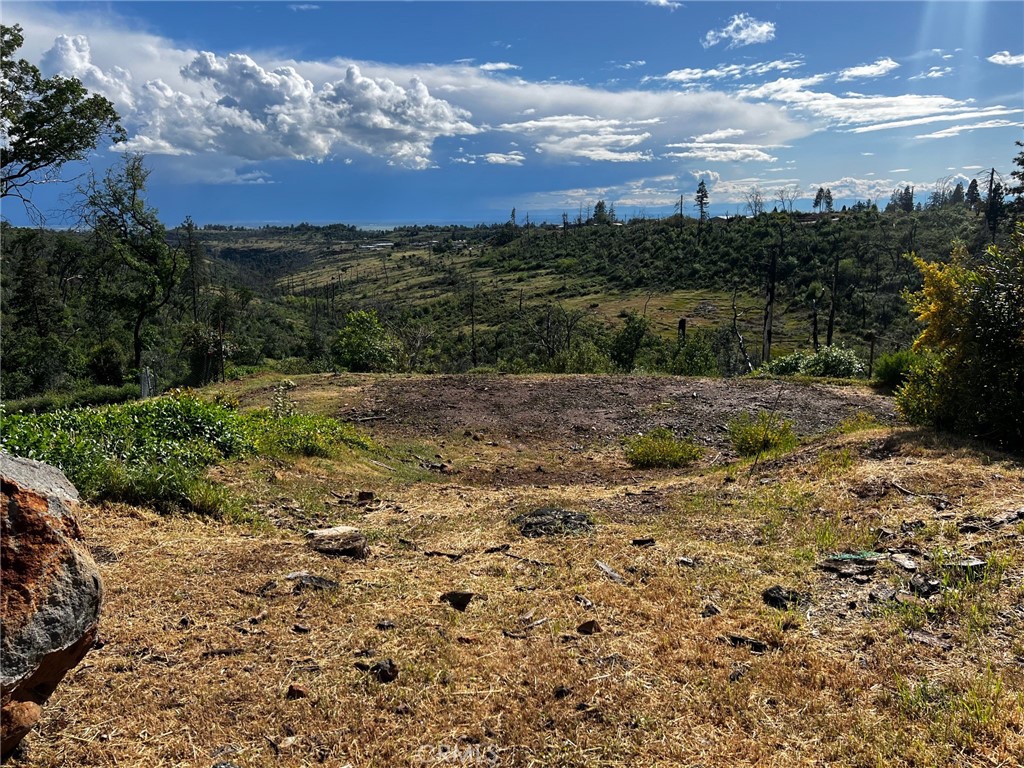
x,y
44,122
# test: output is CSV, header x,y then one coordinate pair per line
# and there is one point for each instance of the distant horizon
x,y
263,113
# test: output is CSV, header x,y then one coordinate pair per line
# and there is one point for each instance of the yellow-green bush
x,y
971,379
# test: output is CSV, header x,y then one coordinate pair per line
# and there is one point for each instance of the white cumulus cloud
x,y
1006,59
742,29
498,66
508,158
879,68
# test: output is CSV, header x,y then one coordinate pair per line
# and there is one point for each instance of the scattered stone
x,y
385,671
882,534
300,629
610,572
562,692
686,562
457,600
903,561
296,692
266,588
51,592
647,542
738,672
845,568
589,627
453,556
909,526
781,598
549,521
882,595
924,586
305,580
928,638
339,541
742,641
365,497
969,568
587,604
709,610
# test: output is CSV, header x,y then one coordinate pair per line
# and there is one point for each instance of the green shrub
x,y
973,311
155,451
696,356
828,362
765,433
893,368
363,344
584,357
834,362
658,448
789,365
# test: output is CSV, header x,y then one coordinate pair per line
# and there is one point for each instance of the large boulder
x,y
50,601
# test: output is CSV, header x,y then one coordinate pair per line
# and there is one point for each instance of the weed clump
x,y
658,448
762,434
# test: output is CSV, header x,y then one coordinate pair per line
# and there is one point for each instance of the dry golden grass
x,y
199,652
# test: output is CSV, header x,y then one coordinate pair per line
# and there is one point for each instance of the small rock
x,y
903,561
306,580
365,497
610,572
709,610
300,629
755,645
457,600
385,671
781,598
587,604
686,562
923,585
340,541
296,692
589,627
738,672
643,542
969,568
549,521
930,639
882,595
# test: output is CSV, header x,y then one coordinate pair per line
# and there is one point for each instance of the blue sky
x,y
389,113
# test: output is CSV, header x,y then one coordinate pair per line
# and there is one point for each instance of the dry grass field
x,y
896,639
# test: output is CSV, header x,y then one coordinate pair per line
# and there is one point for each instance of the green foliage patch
x,y
893,368
659,448
828,362
765,433
155,451
971,379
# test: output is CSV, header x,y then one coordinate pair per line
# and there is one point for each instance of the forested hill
x,y
586,295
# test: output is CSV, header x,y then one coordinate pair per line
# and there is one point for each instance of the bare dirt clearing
x,y
655,640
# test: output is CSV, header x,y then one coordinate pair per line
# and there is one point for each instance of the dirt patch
x,y
586,409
